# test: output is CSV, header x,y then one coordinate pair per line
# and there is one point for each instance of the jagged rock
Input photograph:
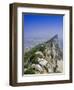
x,y
37,67
42,61
46,57
39,53
60,66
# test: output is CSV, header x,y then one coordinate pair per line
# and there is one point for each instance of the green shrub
x,y
30,71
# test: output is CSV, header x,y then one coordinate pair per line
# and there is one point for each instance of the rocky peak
x,y
45,56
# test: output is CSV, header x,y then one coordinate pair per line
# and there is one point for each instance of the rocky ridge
x,y
44,58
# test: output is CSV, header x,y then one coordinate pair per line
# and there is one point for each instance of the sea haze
x,y
41,28
32,42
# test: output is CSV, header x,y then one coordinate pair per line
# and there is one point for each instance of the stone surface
x,y
46,57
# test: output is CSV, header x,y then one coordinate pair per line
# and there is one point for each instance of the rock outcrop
x,y
44,58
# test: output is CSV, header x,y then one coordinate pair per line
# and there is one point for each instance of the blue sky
x,y
43,26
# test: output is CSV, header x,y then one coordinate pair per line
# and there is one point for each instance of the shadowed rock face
x,y
44,58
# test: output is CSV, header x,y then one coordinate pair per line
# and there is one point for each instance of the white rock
x,y
50,70
40,53
42,61
60,65
37,67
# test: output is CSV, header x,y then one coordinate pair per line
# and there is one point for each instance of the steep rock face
x,y
44,58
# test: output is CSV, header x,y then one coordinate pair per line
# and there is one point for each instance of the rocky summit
x,y
44,58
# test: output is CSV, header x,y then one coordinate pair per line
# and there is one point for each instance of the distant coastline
x,y
32,42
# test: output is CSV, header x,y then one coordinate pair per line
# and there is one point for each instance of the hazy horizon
x,y
39,28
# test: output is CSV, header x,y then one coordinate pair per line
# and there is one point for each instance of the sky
x,y
36,25
42,26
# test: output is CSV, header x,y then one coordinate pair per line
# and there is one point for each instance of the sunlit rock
x,y
37,67
45,58
42,61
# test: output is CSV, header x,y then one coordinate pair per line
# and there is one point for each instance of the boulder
x,y
37,67
42,61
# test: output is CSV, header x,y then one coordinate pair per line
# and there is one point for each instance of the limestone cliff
x,y
46,57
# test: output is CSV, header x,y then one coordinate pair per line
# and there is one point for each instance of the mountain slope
x,y
44,58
